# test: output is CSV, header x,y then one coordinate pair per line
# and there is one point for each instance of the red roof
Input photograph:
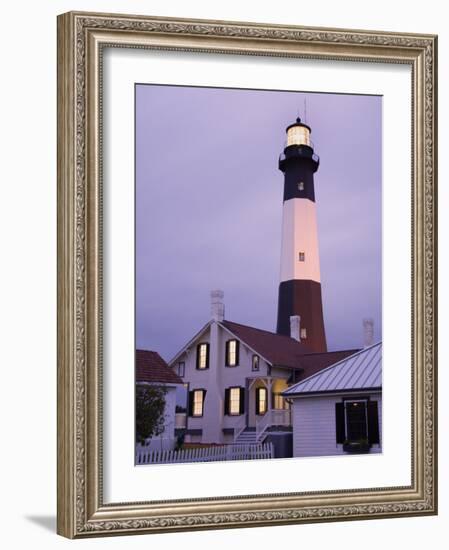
x,y
150,367
283,351
315,362
278,349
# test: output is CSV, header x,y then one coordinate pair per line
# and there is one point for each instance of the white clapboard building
x,y
339,409
236,374
152,370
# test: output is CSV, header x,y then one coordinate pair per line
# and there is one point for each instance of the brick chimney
x,y
368,332
295,327
217,305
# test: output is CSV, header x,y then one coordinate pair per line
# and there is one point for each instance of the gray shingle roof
x,y
360,371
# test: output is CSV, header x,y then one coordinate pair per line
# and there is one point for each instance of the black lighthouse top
x,y
298,162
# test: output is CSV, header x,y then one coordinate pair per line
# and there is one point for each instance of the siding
x,y
214,380
166,440
314,425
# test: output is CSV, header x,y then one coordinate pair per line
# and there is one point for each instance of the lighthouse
x,y
300,282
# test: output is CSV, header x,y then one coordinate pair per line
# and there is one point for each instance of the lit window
x,y
197,402
303,334
301,186
255,363
232,353
234,401
298,135
261,400
302,256
279,402
181,368
202,356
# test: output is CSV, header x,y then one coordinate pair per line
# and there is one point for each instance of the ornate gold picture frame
x,y
82,40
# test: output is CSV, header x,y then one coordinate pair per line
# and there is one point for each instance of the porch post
x,y
270,386
247,401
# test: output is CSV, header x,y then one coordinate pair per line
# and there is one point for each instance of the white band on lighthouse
x,y
299,251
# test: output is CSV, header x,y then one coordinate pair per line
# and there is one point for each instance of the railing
x,y
314,156
273,417
239,427
206,454
262,425
281,417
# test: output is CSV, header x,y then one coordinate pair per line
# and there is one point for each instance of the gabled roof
x,y
150,367
190,342
360,371
315,362
277,349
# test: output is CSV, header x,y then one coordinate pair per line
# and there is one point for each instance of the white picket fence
x,y
206,454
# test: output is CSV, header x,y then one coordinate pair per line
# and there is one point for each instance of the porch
x,y
266,409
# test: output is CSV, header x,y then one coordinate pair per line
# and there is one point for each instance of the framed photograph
x,y
246,274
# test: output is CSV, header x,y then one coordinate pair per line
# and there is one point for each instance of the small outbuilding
x,y
339,409
152,370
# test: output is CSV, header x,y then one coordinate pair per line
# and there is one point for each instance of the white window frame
x,y
230,353
255,356
195,403
201,346
265,391
235,400
183,369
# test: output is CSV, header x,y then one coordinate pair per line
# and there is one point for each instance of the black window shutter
x,y
227,353
242,401
191,403
226,401
340,422
237,352
198,356
373,422
203,397
257,400
207,362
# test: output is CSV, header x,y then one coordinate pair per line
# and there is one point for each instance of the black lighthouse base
x,y
303,298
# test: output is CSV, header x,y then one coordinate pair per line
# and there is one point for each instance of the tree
x,y
150,405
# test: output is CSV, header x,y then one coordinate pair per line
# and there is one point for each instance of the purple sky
x,y
209,209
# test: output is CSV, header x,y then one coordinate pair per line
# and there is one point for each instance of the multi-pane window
x,y
261,400
279,402
255,363
298,135
234,401
202,356
232,353
181,369
301,256
356,420
197,403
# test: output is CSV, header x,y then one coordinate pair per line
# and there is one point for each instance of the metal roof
x,y
360,371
